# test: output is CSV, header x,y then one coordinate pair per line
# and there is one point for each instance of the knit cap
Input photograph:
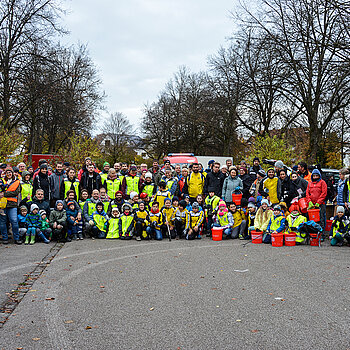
x,y
33,207
340,209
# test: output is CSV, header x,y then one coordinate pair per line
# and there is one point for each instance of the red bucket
x,y
289,239
216,233
277,239
256,237
302,205
236,198
314,240
314,214
328,225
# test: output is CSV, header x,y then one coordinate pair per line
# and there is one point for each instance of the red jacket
x,y
316,192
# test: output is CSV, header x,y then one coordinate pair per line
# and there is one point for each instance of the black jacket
x,y
213,183
90,183
285,191
43,205
43,182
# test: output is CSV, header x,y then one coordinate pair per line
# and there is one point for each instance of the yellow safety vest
x,y
113,228
68,185
132,184
112,187
299,220
91,208
105,206
103,177
168,214
100,221
211,204
82,205
26,190
149,190
126,221
223,220
276,223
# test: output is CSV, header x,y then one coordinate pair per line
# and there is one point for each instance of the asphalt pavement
x,y
100,294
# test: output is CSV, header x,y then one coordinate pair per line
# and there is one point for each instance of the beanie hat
x,y
251,200
42,212
133,194
58,202
251,205
262,173
277,207
279,164
256,158
148,175
119,192
115,209
143,195
265,201
211,162
195,205
43,166
23,207
33,207
340,209
70,203
25,173
126,205
106,163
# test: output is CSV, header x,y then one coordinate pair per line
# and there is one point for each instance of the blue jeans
x,y
158,233
11,214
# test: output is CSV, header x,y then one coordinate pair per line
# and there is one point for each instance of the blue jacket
x,y
70,213
340,195
22,221
34,220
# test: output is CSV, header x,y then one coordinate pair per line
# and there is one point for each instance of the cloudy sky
x,y
138,45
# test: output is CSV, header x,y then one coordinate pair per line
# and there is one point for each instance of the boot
x,y
27,240
42,236
74,237
32,239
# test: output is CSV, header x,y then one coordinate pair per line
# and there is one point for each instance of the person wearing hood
x,y
231,184
10,188
99,221
316,194
254,169
26,188
42,181
58,221
70,183
34,226
269,186
56,182
298,185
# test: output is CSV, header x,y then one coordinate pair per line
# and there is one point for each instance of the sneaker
x,y
74,238
241,237
5,241
138,238
80,236
18,242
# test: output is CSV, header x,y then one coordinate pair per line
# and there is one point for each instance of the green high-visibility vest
x,y
103,178
132,184
149,190
26,190
91,208
112,187
100,221
126,222
68,185
82,205
276,223
223,220
113,228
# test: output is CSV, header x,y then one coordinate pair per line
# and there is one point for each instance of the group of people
x,y
128,201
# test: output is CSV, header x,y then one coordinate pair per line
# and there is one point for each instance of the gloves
x,y
311,205
317,205
91,223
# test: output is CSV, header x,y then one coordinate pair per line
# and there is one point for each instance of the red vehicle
x,y
33,159
181,158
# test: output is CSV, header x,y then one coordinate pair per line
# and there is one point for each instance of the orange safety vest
x,y
13,187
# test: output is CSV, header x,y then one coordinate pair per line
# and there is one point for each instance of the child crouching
x,y
74,225
34,225
340,226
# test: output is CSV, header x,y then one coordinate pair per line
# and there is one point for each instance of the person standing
x,y
56,182
214,180
194,183
10,189
90,180
42,181
231,184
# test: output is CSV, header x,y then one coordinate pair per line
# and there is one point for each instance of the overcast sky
x,y
137,45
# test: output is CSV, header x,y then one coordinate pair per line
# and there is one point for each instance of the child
x,y
240,221
84,197
113,224
196,221
126,222
211,203
156,220
339,228
284,208
58,221
263,216
141,219
223,219
251,217
277,224
182,220
175,202
45,225
168,213
200,201
34,225
134,201
294,219
188,203
162,193
104,199
145,198
99,221
74,226
22,222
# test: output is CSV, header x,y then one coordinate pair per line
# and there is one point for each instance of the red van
x,y
181,158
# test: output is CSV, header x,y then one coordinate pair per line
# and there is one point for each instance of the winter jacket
x,y
316,191
12,190
262,218
90,183
229,186
22,220
269,188
42,181
70,184
298,184
214,183
58,216
33,220
76,205
284,190
56,182
247,182
253,172
194,184
277,223
115,204
42,204
343,192
156,174
88,204
71,213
